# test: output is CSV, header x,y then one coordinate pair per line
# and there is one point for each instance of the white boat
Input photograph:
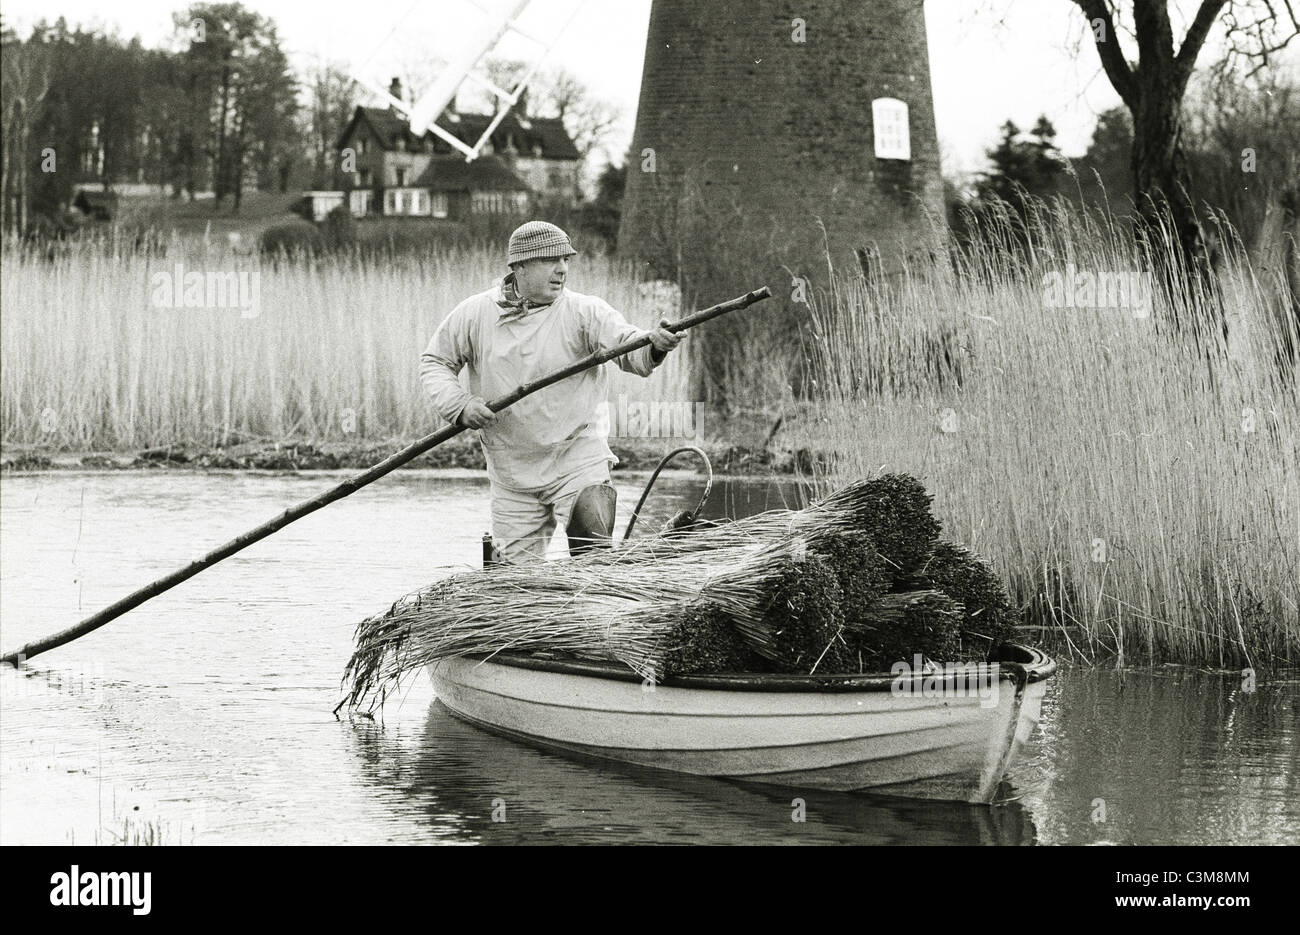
x,y
945,736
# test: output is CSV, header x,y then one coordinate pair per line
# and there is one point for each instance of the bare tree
x,y
1243,142
589,119
559,93
1152,88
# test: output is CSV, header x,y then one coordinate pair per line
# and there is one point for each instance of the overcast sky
x,y
990,59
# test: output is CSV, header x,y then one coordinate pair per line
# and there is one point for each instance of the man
x,y
547,455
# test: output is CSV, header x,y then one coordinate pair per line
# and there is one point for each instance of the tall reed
x,y
88,363
1136,482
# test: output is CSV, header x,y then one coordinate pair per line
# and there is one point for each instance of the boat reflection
x,y
467,785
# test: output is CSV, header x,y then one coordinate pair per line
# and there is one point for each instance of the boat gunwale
x,y
1018,663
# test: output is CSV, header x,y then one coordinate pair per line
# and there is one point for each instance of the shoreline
x,y
296,456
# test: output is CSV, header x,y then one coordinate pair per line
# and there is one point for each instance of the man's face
x,y
542,280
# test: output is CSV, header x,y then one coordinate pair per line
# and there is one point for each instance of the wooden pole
x,y
353,484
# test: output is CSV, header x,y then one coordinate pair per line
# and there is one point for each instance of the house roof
x,y
389,130
526,133
454,174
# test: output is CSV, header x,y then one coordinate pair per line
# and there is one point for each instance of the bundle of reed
x,y
773,526
799,627
471,614
706,640
863,573
587,606
901,625
888,516
894,510
912,595
803,618
771,592
988,617
807,583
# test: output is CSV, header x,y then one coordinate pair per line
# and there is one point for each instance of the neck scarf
x,y
509,299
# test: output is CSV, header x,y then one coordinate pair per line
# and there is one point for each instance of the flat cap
x,y
537,239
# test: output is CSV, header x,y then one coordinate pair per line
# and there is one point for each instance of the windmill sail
x,y
474,49
443,92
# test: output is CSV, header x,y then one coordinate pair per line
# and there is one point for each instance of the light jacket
x,y
505,343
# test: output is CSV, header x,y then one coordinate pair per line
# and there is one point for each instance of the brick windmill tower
x,y
771,133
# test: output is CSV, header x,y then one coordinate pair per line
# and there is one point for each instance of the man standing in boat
x,y
548,455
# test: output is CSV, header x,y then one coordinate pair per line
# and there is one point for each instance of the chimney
x,y
395,90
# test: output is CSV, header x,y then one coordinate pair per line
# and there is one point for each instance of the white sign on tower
x,y
889,119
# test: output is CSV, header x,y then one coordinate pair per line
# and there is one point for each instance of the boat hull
x,y
948,738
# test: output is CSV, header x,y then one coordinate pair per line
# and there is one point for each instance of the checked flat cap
x,y
538,239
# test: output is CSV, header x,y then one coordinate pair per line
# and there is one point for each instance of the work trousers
x,y
523,522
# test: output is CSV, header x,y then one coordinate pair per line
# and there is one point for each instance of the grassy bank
x,y
1136,483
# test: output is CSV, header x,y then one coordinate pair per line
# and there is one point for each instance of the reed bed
x,y
1135,481
88,363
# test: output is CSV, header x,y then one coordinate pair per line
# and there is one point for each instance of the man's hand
x,y
476,414
663,339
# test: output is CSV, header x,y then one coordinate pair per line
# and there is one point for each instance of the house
x,y
395,173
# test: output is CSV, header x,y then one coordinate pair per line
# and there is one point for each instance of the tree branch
x,y
1195,39
1117,68
1257,38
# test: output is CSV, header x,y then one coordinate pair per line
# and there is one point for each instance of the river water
x,y
205,715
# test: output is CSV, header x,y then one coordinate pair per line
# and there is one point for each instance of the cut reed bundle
x,y
987,616
792,591
468,615
894,511
862,571
843,604
804,617
706,640
588,606
902,625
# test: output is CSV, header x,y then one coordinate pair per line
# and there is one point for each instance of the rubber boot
x,y
591,521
